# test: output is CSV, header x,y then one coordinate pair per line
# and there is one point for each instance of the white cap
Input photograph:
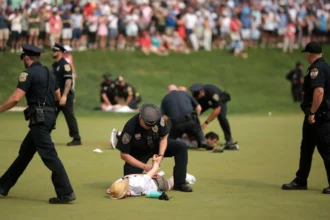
x,y
67,48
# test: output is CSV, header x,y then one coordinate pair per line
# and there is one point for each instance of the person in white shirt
x,y
16,29
132,28
113,30
141,184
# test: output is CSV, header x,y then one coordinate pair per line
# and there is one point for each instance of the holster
x,y
36,114
225,96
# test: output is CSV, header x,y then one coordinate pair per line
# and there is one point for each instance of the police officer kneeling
x,y
182,110
316,127
145,135
39,87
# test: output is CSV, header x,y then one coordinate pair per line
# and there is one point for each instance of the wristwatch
x,y
160,155
310,113
206,122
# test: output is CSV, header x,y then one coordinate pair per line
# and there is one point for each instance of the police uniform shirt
x,y
211,99
137,141
109,90
177,104
34,81
295,76
63,71
318,75
125,91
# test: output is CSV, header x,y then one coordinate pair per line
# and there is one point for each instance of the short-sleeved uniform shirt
x,y
295,75
125,91
177,104
139,142
212,98
34,82
110,90
318,75
63,71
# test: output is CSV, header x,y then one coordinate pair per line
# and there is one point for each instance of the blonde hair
x,y
119,189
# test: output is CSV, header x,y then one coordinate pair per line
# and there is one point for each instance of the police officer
x,y
316,127
108,93
296,77
127,92
63,72
182,111
39,87
210,96
145,135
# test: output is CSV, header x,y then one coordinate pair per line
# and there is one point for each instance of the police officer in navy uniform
x,y
63,72
182,111
145,135
39,87
210,96
316,127
127,92
108,92
296,77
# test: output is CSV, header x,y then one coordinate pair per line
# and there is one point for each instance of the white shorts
x,y
246,34
132,30
67,34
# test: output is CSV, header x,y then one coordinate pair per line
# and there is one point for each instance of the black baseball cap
x,y
58,47
313,47
299,64
107,76
150,114
30,50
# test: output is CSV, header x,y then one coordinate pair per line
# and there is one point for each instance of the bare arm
x,y
317,99
105,98
12,100
57,95
132,161
162,145
155,167
129,99
67,87
214,114
198,109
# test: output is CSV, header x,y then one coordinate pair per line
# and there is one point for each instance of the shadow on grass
x,y
98,185
45,201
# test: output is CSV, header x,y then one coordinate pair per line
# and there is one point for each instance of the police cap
x,y
196,89
30,50
150,114
313,47
58,47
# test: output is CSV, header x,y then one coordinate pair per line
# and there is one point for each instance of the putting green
x,y
242,184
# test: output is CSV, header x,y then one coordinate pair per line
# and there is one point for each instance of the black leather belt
x,y
183,119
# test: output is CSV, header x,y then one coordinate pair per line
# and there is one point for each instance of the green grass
x,y
257,85
244,184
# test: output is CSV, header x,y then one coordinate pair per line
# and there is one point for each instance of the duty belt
x,y
183,119
45,108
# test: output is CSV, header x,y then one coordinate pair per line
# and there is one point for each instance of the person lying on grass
x,y
141,184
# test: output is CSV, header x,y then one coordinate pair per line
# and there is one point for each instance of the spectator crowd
x,y
160,27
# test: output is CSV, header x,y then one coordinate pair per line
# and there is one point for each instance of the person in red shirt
x,y
145,42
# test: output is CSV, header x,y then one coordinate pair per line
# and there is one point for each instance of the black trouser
x,y
174,148
134,103
38,140
191,127
224,123
317,134
296,90
69,116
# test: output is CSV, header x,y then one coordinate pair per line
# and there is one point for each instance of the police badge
x,y
155,128
126,138
162,122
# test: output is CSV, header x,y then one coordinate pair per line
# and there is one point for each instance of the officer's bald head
x,y
182,88
171,88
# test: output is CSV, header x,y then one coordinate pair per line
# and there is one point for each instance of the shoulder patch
x,y
23,76
215,97
113,85
126,138
67,67
314,73
155,128
162,122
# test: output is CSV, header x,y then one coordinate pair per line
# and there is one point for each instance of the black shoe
x,y
74,142
294,186
3,192
231,146
326,190
183,188
217,151
62,199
